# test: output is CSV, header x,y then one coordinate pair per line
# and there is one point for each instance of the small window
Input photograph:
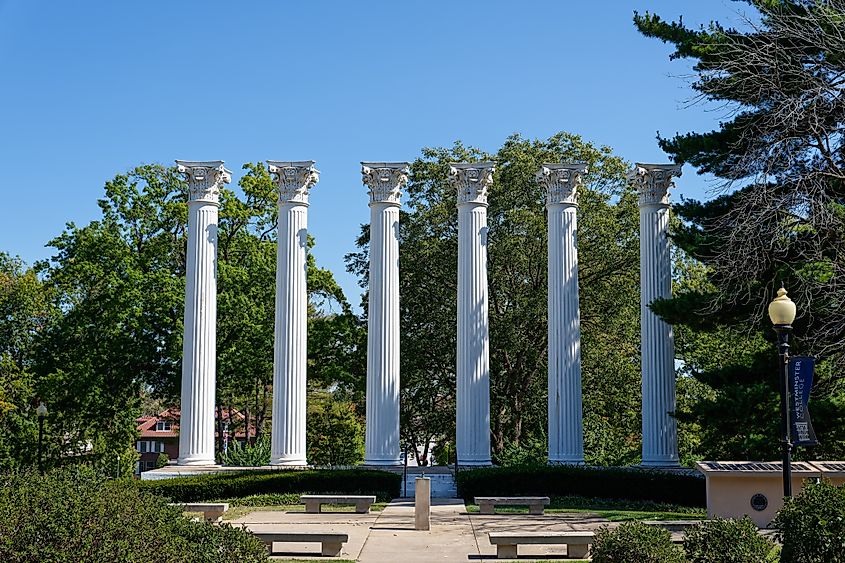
x,y
142,446
163,426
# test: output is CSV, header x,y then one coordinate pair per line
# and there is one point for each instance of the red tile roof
x,y
147,424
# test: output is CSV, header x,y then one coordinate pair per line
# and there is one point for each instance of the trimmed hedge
x,y
569,480
241,484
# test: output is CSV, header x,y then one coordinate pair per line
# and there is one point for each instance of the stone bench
x,y
331,543
313,502
487,505
211,511
577,543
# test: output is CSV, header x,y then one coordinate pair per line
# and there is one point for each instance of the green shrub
x,y
335,433
72,515
635,542
569,480
248,455
728,541
241,484
162,460
811,526
528,452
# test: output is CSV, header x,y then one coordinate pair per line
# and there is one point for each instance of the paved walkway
x,y
389,536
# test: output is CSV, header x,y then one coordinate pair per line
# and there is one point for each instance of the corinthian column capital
x,y
293,179
653,182
561,182
472,180
385,180
205,179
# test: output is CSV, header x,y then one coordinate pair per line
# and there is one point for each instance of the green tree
x,y
335,431
27,310
780,218
608,258
119,286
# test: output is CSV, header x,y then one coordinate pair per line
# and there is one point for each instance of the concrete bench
x,y
536,505
211,511
331,543
313,502
577,543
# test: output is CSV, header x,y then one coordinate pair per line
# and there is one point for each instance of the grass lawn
x,y
612,510
319,560
238,511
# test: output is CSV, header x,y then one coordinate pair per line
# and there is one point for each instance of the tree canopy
x,y
98,327
608,261
780,217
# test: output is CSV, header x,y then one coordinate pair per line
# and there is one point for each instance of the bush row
x,y
569,480
241,484
810,527
72,515
714,541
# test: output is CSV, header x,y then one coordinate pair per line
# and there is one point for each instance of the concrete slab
x,y
357,526
389,536
393,538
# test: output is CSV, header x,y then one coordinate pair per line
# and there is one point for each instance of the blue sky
x,y
92,89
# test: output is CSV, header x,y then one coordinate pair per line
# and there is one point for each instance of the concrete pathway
x,y
389,536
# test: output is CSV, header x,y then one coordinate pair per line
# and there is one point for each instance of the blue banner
x,y
800,379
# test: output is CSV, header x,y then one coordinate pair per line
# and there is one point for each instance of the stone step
x,y
442,485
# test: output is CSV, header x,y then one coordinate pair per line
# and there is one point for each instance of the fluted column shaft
x,y
293,179
565,434
196,423
473,350
385,181
660,430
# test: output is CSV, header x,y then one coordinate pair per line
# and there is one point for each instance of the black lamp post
x,y
42,413
782,313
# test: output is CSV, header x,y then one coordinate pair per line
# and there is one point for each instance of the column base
x,y
474,463
657,463
197,461
574,460
383,461
292,461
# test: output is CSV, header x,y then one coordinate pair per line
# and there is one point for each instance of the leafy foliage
x,y
608,252
223,486
335,433
97,329
635,541
728,541
570,480
248,455
73,516
27,310
779,158
811,526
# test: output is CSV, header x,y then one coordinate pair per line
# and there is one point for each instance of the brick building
x,y
160,434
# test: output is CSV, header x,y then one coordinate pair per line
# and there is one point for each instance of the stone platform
x,y
389,536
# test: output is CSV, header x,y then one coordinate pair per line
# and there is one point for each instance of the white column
x,y
385,181
566,434
290,353
660,430
473,354
199,350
